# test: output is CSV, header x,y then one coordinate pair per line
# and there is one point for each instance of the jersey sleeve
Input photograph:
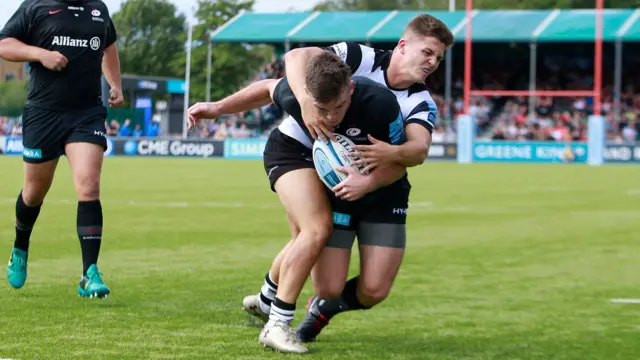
x,y
284,98
18,26
349,52
425,114
112,36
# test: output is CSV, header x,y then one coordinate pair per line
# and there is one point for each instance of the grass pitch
x,y
503,262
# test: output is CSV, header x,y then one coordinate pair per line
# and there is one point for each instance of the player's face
x,y
422,55
333,111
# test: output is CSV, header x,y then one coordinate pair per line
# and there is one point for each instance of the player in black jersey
x,y
403,71
69,44
357,108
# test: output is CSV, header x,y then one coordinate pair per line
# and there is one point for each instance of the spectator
x,y
125,130
137,131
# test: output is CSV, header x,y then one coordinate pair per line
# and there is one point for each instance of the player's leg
x,y
293,177
329,275
305,200
42,138
382,237
37,182
260,305
85,148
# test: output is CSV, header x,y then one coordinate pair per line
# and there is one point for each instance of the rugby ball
x,y
327,157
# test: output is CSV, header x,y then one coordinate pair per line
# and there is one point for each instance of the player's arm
x,y
412,152
111,67
415,150
418,129
253,96
296,69
14,36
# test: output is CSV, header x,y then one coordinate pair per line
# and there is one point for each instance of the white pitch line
x,y
625,301
186,204
634,192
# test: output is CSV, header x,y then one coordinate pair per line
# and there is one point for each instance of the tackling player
x,y
357,103
403,70
68,44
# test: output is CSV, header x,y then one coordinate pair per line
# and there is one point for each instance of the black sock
x,y
347,301
25,219
89,224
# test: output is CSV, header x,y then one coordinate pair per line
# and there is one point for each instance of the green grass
x,y
503,262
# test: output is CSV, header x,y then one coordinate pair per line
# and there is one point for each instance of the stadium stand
x,y
565,62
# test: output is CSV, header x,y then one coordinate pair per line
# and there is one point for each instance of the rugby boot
x,y
281,337
17,268
313,322
251,304
91,285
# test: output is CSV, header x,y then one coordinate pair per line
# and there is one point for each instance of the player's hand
x,y
379,152
202,111
53,60
116,99
354,187
316,125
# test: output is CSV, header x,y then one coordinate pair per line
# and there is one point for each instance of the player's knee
x,y
329,289
88,187
33,195
372,293
318,232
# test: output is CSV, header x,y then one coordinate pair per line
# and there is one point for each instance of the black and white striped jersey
x,y
416,103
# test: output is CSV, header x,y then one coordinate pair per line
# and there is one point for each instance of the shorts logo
x,y
271,171
341,219
400,211
353,132
99,133
32,153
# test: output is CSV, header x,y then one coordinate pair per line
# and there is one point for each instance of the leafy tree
x,y
149,36
232,64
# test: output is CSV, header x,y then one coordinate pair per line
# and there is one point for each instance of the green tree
x,y
232,64
149,33
13,95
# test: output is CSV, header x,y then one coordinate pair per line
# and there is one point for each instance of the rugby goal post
x,y
596,123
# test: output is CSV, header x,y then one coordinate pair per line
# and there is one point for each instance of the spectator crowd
x,y
542,118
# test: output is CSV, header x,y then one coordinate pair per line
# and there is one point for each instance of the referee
x,y
68,45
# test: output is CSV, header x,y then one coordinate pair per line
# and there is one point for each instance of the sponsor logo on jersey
x,y
53,12
95,43
353,132
68,41
76,8
95,12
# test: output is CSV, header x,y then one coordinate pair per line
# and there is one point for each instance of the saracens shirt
x,y
79,30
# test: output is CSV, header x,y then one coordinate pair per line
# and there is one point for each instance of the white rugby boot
x,y
251,304
281,337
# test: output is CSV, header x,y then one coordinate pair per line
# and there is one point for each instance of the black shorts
x,y
46,132
378,219
283,154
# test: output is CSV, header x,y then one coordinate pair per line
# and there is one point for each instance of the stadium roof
x,y
386,26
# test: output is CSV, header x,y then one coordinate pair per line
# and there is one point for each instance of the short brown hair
x,y
427,25
327,76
